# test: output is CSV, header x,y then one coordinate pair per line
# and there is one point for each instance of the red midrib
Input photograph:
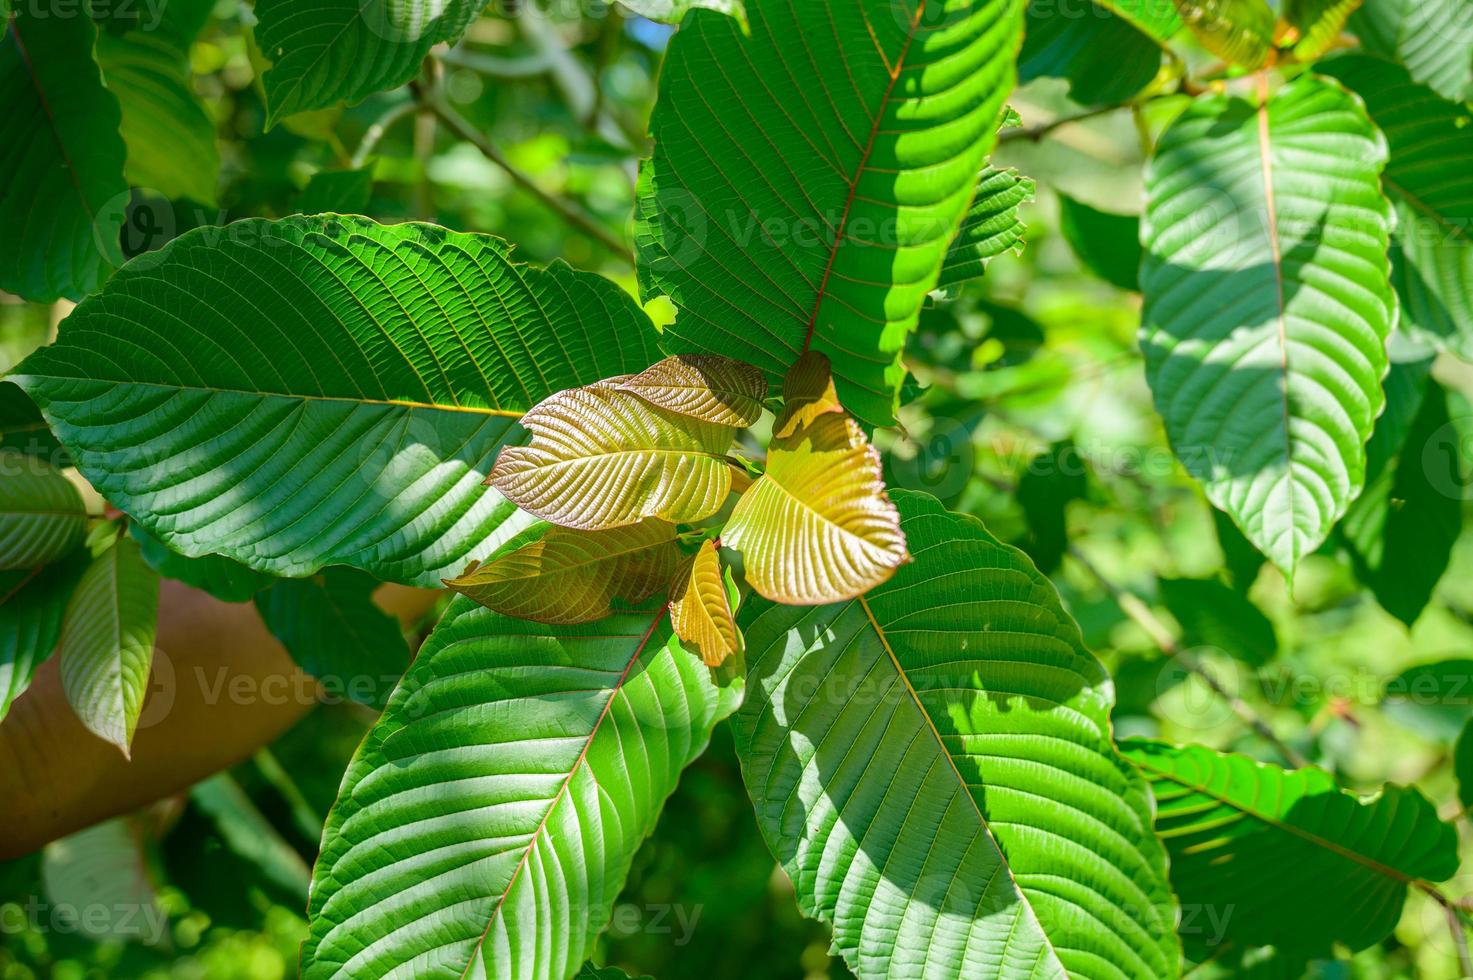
x,y
869,146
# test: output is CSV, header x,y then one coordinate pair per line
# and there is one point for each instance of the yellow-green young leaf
x,y
1239,31
107,639
569,576
1317,24
42,516
703,386
602,458
808,392
700,611
818,527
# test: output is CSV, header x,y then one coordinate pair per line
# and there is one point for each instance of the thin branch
x,y
1036,133
376,131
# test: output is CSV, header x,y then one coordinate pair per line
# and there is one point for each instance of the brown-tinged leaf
x,y
700,611
818,527
808,392
704,386
602,458
571,576
1239,31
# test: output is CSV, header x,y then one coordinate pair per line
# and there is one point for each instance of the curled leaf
x,y
808,392
571,576
602,458
704,386
818,527
700,611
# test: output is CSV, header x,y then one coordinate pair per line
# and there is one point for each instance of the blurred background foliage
x,y
1030,411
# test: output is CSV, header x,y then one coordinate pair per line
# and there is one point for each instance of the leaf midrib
x,y
71,168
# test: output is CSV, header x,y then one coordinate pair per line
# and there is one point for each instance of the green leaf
x,y
107,641
62,192
809,176
932,764
1463,765
325,54
1301,864
226,580
673,11
337,192
1318,24
32,601
1435,700
333,392
700,608
1400,532
602,458
332,629
1108,244
1157,18
1213,615
1052,481
591,972
1241,560
1430,183
170,137
1267,305
1238,31
486,824
42,516
568,576
991,226
22,428
249,835
1105,58
101,877
712,389
1432,38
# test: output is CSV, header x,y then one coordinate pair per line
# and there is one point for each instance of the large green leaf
x,y
1267,304
42,516
486,824
32,601
1433,38
808,177
169,134
314,391
325,54
1105,57
1300,863
62,192
932,764
1430,182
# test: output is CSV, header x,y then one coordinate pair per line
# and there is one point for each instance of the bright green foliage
x,y
62,192
325,54
226,580
487,823
1432,38
672,11
107,639
169,134
991,227
332,629
334,393
1318,24
1104,56
337,192
898,747
1339,865
1268,305
1213,615
1431,184
790,205
1238,31
41,513
32,601
1108,244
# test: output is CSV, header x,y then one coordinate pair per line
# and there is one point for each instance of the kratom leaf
x,y
1053,480
107,640
22,428
331,392
601,458
1240,559
332,629
700,609
337,192
1213,615
932,765
1302,864
1463,765
32,601
672,11
102,876
169,135
1434,700
1432,38
62,192
703,386
1317,24
809,176
1156,18
808,393
568,576
1430,183
1105,58
817,527
1238,31
1108,244
42,516
226,580
1267,305
487,823
325,54
990,227
250,835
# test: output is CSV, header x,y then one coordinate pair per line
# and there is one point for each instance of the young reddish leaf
x,y
817,527
706,387
574,576
808,392
700,611
602,458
